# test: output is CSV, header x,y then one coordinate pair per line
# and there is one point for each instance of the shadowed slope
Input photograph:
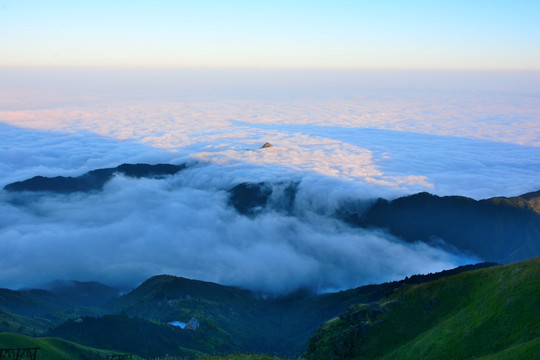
x,y
497,229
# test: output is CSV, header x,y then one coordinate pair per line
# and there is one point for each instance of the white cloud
x,y
183,225
463,133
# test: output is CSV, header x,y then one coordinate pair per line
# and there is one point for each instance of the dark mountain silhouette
x,y
250,198
83,293
253,198
499,229
93,180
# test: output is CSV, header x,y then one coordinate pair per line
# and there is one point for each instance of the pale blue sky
x,y
284,34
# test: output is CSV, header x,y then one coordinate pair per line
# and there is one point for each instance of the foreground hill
x,y
484,314
52,348
144,337
476,311
231,320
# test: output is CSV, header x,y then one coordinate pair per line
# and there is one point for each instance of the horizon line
x,y
270,68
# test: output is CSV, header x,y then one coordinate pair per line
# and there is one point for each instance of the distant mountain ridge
x,y
65,294
93,180
498,229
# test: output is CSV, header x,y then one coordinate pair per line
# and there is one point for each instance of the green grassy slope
x,y
232,319
484,314
22,325
240,357
280,326
52,348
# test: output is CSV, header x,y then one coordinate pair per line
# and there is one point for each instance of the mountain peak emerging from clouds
x,y
93,180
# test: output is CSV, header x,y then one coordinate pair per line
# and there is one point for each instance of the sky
x,y
492,35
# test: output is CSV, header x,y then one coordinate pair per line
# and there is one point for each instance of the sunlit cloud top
x,y
276,34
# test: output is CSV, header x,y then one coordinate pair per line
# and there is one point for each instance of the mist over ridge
x,y
184,225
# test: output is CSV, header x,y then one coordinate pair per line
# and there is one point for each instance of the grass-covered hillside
x,y
231,320
278,326
14,323
52,348
241,357
484,314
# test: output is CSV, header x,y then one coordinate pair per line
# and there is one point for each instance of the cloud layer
x,y
338,136
184,225
466,133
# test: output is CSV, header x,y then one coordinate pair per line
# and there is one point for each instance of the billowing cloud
x,y
184,225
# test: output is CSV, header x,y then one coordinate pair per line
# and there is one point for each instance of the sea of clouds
x,y
340,135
